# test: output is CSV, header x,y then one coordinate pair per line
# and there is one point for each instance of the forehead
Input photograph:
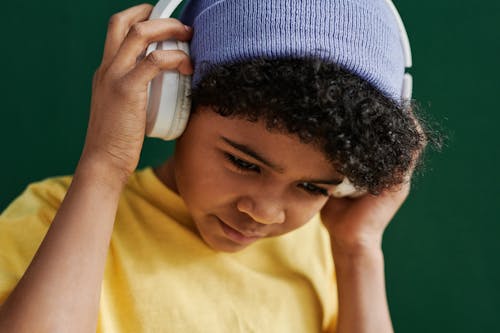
x,y
283,150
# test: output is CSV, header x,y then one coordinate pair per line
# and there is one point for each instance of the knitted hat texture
x,y
361,36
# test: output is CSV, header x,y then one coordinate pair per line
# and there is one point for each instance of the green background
x,y
442,247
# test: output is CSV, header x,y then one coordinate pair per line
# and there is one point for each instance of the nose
x,y
262,210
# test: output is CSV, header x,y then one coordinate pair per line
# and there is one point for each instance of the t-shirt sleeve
x,y
332,326
23,224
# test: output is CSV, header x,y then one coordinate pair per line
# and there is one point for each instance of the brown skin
x,y
257,200
261,200
60,292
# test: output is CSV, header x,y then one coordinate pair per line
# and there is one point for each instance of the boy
x,y
225,236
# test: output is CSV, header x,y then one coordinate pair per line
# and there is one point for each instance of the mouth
x,y
238,236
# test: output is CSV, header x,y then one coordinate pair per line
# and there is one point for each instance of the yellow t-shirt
x,y
161,277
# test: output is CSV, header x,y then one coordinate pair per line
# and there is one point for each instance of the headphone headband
x,y
165,8
407,88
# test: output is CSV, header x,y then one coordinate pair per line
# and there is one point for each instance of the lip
x,y
236,235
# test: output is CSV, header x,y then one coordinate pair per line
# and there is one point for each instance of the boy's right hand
x,y
116,128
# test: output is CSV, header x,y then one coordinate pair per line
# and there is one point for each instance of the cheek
x,y
204,184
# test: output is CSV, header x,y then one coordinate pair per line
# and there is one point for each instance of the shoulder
x,y
43,197
47,195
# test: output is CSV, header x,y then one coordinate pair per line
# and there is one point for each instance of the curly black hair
x,y
368,137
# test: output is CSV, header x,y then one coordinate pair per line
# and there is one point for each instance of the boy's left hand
x,y
357,225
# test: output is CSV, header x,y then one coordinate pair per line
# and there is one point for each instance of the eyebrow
x,y
250,152
336,181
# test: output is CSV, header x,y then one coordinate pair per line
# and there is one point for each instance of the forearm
x,y
60,290
361,290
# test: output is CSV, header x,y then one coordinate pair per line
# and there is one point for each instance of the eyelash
x,y
313,189
245,166
240,164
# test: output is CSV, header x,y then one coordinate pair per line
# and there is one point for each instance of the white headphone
x,y
169,104
407,88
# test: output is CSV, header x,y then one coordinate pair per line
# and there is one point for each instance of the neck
x,y
166,173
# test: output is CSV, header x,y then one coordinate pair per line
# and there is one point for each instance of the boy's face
x,y
241,182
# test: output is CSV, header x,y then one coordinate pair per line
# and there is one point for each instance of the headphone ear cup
x,y
169,102
407,89
347,189
183,108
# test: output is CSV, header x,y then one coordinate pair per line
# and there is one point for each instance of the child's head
x,y
312,87
329,72
365,135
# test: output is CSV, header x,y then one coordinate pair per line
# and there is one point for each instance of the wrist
x,y
358,260
97,172
359,247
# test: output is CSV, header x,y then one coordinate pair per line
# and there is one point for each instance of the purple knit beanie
x,y
362,36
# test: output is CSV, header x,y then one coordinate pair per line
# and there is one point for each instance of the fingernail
x,y
188,28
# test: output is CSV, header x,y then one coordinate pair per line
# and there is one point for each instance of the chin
x,y
223,245
214,237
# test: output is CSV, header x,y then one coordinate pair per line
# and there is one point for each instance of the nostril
x,y
279,218
262,211
244,205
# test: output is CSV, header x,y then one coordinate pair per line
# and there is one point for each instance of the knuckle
x,y
155,58
184,61
179,29
174,21
121,88
103,74
146,5
98,75
143,7
178,56
137,31
115,20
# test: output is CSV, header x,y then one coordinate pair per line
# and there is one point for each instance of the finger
x,y
394,196
155,63
118,27
142,34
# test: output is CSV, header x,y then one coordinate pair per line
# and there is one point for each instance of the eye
x,y
241,164
313,189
